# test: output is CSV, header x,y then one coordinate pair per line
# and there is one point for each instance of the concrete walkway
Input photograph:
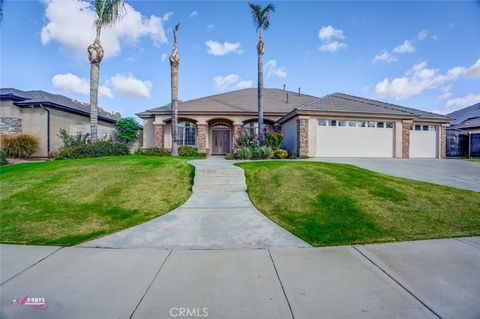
x,y
449,172
421,279
218,215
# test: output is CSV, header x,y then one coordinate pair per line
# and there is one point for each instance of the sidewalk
x,y
421,279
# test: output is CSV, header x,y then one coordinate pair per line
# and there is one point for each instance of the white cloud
x,y
328,33
194,14
76,31
244,85
272,69
474,70
167,16
422,35
384,56
406,47
231,81
416,80
445,93
216,48
461,102
332,46
164,57
131,86
71,83
210,27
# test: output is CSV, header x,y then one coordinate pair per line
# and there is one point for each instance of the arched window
x,y
186,133
252,127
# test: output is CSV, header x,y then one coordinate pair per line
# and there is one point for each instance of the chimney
x,y
284,87
298,91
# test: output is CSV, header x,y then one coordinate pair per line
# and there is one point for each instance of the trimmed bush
x,y
273,139
3,158
263,152
244,153
19,146
190,151
98,149
280,154
229,156
157,151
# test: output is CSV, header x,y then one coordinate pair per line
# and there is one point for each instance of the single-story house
x,y
337,125
463,136
43,114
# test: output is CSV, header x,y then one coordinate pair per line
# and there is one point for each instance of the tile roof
x,y
470,114
339,102
60,101
275,101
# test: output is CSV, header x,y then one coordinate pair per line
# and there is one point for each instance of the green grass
x,y
67,202
336,204
474,159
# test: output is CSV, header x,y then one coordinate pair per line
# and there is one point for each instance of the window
x,y
333,122
425,127
352,123
322,122
389,124
342,123
363,124
252,128
418,127
432,128
380,125
371,124
186,133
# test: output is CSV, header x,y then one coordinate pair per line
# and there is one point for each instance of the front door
x,y
220,141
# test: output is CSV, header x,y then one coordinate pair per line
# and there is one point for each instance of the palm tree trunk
x,y
174,115
260,50
95,55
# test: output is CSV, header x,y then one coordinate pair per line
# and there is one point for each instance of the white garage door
x,y
342,138
423,141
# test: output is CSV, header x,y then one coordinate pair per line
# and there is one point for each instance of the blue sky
x,y
419,54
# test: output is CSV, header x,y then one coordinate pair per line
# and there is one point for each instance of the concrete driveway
x,y
421,279
450,172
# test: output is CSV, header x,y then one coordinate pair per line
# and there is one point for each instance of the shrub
x,y
244,153
3,158
98,149
273,139
127,129
73,140
247,140
190,151
263,152
19,146
229,156
157,151
281,154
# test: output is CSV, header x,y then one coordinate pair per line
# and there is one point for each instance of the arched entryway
x,y
221,138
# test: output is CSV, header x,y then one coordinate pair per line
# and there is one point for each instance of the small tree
x,y
127,129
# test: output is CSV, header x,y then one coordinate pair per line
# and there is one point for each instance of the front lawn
x,y
67,202
474,159
336,204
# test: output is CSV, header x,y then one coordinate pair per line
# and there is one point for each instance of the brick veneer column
x,y
443,141
238,131
202,138
158,135
302,136
406,138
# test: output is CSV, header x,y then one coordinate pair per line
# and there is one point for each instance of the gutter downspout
x,y
48,128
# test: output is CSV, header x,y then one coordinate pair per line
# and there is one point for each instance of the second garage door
x,y
423,141
345,138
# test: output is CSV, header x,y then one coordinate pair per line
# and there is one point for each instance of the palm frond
x,y
261,16
109,12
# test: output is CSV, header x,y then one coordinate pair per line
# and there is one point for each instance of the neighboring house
x,y
463,137
43,114
337,125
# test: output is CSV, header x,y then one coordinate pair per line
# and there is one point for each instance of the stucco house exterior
x,y
337,125
43,114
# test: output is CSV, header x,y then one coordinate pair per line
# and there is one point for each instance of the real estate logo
x,y
37,303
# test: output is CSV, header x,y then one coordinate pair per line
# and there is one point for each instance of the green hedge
x,y
3,158
97,149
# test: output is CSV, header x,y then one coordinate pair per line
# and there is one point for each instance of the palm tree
x,y
108,13
261,20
